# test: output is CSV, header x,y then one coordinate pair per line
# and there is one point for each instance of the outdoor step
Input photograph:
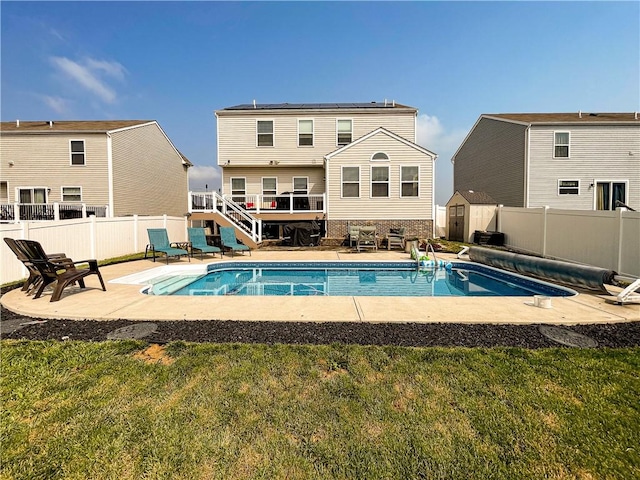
x,y
166,285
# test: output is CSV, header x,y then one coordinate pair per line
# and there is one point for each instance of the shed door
x,y
456,223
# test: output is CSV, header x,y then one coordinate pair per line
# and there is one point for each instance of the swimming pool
x,y
351,279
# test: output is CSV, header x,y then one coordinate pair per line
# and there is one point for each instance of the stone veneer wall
x,y
413,228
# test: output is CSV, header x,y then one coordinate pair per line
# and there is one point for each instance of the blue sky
x,y
178,62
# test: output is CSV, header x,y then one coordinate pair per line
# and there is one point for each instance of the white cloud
x,y
89,75
208,175
57,104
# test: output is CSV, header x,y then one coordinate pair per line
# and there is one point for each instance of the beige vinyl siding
x,y
42,160
597,152
492,160
284,175
393,207
148,175
237,135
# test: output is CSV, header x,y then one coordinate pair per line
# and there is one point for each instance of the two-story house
x,y
335,163
582,161
111,168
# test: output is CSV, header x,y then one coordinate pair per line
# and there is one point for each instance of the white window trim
x,y
293,184
231,179
36,187
262,185
568,145
560,180
371,182
610,181
313,132
350,182
70,186
337,120
8,190
388,159
84,151
401,181
273,133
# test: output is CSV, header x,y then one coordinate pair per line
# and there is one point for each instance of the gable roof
x,y
476,198
387,132
85,126
566,118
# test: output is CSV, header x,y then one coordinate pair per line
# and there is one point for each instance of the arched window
x,y
380,157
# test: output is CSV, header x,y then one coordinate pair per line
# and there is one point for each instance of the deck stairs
x,y
168,284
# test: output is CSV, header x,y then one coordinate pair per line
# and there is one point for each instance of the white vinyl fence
x,y
440,227
86,238
606,239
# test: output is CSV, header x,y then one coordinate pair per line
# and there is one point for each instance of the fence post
x,y
84,210
16,212
498,218
164,220
56,211
92,235
135,233
620,211
545,209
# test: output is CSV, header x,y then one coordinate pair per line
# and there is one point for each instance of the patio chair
x,y
159,242
395,238
367,238
62,271
229,241
34,274
353,234
199,242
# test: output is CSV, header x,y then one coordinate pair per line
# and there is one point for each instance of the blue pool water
x,y
355,279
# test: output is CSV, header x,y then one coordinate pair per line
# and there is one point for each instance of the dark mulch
x,y
620,335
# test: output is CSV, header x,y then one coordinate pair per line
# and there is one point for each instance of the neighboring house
x,y
338,164
583,161
115,168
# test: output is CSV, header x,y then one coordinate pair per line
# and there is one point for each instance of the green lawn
x,y
191,411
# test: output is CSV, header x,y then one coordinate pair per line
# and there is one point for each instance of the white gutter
x,y
110,172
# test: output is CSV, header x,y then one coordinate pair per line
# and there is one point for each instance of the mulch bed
x,y
619,335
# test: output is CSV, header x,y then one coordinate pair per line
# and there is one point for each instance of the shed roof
x,y
477,198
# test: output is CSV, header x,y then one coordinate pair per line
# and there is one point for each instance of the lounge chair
x,y
34,273
199,242
229,241
395,238
159,242
62,271
367,238
353,234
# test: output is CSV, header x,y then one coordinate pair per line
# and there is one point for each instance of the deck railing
x,y
263,204
16,212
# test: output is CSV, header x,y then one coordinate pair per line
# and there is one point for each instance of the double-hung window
x,y
77,152
71,194
305,133
264,130
380,181
301,185
568,187
238,189
269,186
350,182
409,181
344,131
561,144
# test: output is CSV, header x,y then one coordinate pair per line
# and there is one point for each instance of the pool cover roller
x,y
574,274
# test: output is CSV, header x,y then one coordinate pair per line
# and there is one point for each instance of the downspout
x,y
110,173
527,165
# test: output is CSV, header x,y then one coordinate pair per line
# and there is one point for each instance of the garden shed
x,y
468,212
